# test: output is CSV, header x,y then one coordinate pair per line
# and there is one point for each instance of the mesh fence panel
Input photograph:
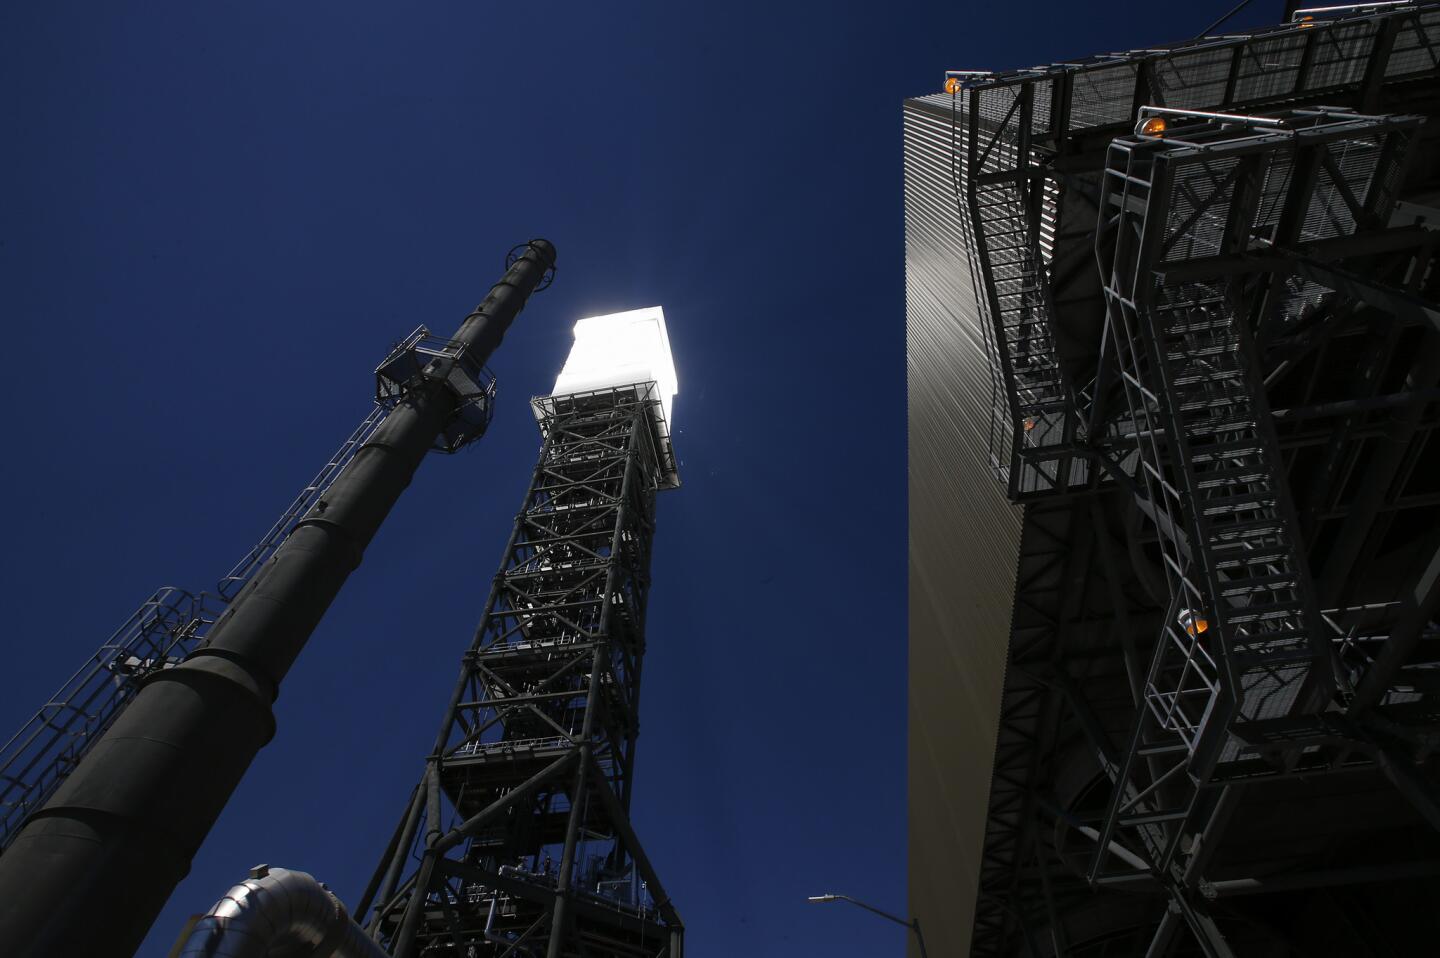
x,y
1273,189
995,104
1417,46
1341,54
1329,213
1269,67
1193,81
1199,203
1041,105
1104,96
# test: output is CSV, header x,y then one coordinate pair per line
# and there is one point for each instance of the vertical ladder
x,y
230,585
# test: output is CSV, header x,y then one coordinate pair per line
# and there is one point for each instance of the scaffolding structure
x,y
1243,672
1223,636
517,840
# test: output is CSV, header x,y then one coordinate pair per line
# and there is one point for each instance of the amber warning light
x,y
1151,126
1192,622
955,79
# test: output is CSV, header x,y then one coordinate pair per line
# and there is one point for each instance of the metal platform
x,y
423,360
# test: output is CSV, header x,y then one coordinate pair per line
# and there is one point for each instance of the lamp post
x,y
913,924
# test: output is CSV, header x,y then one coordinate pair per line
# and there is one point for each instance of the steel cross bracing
x,y
1027,878
173,623
1243,670
517,839
1021,136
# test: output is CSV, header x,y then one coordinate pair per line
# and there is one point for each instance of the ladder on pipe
x,y
230,586
166,628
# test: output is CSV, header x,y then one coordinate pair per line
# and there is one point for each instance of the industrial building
x,y
1173,338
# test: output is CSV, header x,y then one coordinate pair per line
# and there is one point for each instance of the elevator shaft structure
x,y
89,871
517,840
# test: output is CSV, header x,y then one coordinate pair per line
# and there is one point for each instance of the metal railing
x,y
1009,225
424,357
233,581
167,627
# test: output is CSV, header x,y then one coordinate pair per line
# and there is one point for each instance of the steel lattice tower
x,y
517,839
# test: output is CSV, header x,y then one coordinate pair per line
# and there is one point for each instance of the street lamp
x,y
913,924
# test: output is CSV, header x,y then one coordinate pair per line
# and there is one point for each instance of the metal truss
x,y
1010,226
1243,669
1081,104
517,840
1022,135
173,623
1027,879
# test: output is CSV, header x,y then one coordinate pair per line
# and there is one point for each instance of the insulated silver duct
x,y
278,913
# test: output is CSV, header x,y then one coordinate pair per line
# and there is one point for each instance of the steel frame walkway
x,y
1018,133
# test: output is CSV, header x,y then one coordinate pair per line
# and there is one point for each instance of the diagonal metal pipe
x,y
276,912
89,872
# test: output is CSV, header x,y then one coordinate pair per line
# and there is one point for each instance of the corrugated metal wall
x,y
964,541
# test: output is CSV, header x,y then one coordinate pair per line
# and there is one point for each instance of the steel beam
x,y
1329,878
1420,607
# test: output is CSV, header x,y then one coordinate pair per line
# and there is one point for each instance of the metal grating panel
x,y
1102,97
1341,54
1417,46
1269,67
1192,81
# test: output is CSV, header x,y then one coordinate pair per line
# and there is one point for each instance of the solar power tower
x,y
517,840
1174,350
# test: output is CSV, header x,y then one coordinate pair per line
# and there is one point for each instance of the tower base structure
x,y
517,840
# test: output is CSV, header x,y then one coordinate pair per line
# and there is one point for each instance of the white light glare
x,y
620,349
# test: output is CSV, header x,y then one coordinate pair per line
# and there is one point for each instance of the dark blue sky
x,y
215,218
